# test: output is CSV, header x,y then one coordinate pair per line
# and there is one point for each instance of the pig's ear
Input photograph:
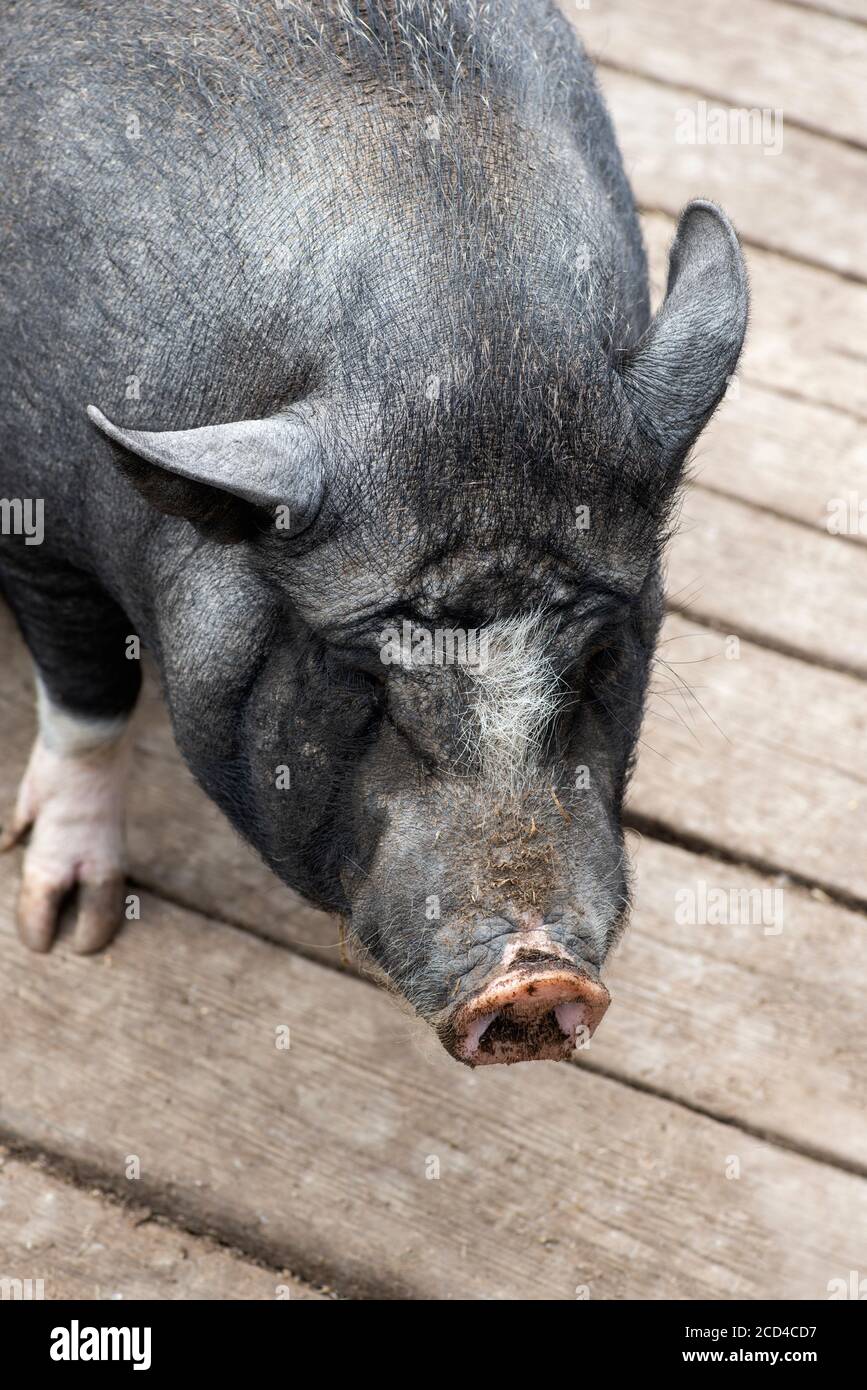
x,y
676,376
221,477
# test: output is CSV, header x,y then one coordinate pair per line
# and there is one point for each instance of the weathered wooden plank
x,y
550,1180
770,579
807,327
743,995
79,1245
797,459
767,759
751,53
805,202
841,9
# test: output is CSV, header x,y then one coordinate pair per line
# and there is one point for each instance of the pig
x,y
327,347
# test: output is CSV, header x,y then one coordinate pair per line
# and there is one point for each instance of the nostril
x,y
569,1017
473,1038
523,1035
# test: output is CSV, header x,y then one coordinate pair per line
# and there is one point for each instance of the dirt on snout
x,y
515,864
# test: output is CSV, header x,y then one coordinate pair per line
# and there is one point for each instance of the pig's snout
x,y
528,1014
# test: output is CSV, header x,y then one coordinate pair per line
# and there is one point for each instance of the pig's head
x,y
472,588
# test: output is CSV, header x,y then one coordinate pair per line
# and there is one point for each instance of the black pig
x,y
381,456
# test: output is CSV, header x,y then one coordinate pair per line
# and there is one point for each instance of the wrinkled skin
x,y
428,245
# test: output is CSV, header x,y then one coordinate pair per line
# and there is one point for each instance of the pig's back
x,y
198,219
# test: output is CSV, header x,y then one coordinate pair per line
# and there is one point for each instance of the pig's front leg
x,y
72,800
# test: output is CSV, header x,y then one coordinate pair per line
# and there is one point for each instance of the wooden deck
x,y
712,1142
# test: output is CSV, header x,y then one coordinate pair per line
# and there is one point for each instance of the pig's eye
x,y
598,662
365,676
362,670
587,672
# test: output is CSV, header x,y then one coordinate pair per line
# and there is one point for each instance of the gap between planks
x,y
754,54
607,64
851,11
816,1152
665,833
783,212
805,203
760,638
66,1226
